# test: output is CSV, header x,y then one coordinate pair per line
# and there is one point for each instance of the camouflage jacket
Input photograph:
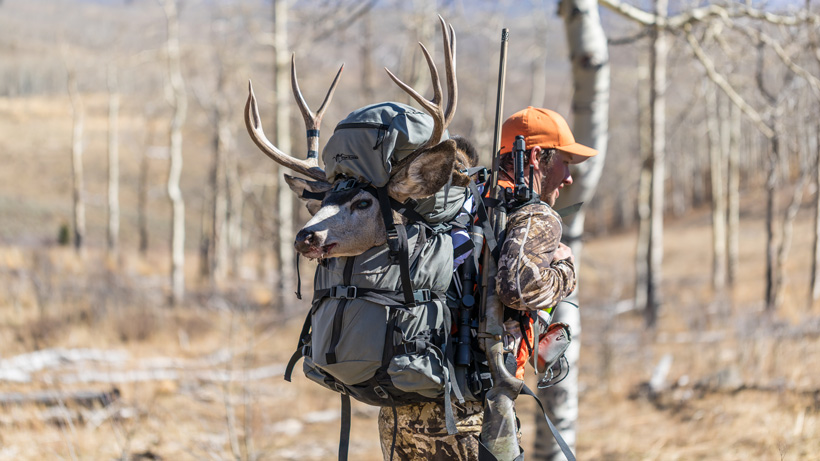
x,y
528,278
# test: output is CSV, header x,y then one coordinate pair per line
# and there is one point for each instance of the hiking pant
x,y
422,434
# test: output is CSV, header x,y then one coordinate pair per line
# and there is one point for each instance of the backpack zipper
x,y
378,126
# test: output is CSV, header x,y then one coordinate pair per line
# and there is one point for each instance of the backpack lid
x,y
367,142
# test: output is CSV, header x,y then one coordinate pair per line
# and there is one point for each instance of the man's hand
x,y
563,252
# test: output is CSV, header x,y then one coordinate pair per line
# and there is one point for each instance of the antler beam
x,y
310,166
441,116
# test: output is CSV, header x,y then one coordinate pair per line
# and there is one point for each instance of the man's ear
x,y
535,157
299,185
426,174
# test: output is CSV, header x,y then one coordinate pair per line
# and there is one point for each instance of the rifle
x,y
499,431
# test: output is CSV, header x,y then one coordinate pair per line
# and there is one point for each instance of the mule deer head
x,y
347,221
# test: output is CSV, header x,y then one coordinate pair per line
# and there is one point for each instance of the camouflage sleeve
x,y
528,278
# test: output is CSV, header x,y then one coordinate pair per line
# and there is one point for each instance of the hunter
x,y
535,272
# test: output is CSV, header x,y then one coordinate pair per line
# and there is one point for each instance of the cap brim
x,y
578,152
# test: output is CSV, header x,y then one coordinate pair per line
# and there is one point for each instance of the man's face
x,y
556,175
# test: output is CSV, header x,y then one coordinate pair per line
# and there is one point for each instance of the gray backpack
x,y
379,323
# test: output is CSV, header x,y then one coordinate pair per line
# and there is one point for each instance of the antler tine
x,y
450,69
441,117
312,122
254,124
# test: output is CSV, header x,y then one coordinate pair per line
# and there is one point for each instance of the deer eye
x,y
362,204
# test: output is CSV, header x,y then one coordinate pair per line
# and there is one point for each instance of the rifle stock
x,y
499,433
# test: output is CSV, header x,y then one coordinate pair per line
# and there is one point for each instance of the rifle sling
x,y
558,439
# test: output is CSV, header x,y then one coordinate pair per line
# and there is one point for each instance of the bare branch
x,y
814,82
727,88
712,11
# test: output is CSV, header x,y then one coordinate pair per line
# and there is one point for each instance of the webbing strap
x,y
310,195
338,317
298,278
558,439
303,338
395,430
344,432
292,363
484,221
397,241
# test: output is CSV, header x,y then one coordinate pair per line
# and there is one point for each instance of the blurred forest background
x,y
146,261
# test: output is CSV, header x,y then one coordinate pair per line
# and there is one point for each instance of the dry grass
x,y
742,386
746,395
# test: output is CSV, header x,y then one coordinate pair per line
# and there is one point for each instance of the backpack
x,y
378,329
395,325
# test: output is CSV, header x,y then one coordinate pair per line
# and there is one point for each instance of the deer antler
x,y
441,117
310,166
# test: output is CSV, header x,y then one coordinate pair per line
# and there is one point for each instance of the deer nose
x,y
304,240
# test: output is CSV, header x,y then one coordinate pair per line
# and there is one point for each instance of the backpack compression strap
x,y
397,241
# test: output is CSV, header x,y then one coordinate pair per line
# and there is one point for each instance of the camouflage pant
x,y
422,434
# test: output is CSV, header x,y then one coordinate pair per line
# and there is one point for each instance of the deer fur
x,y
348,223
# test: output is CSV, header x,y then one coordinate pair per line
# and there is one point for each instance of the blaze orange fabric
x,y
523,355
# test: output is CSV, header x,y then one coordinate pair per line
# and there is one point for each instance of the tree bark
x,y
718,197
815,274
644,193
590,115
113,163
223,138
78,182
657,99
284,250
179,103
772,272
733,209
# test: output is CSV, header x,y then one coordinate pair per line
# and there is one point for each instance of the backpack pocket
x,y
422,374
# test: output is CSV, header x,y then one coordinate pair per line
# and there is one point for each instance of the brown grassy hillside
x,y
204,381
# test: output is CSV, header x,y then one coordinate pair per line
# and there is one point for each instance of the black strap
x,y
292,363
298,279
310,195
395,430
338,317
344,432
484,221
303,339
558,439
397,241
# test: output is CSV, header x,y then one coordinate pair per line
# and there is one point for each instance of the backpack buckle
x,y
422,296
340,388
343,292
380,392
393,241
345,185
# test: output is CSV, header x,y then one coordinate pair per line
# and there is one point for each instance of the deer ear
x,y
426,174
299,185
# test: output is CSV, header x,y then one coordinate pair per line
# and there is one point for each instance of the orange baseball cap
x,y
544,128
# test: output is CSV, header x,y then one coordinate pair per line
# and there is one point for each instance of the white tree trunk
x,y
815,273
282,141
658,161
733,181
718,197
78,183
590,102
113,162
179,103
644,191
